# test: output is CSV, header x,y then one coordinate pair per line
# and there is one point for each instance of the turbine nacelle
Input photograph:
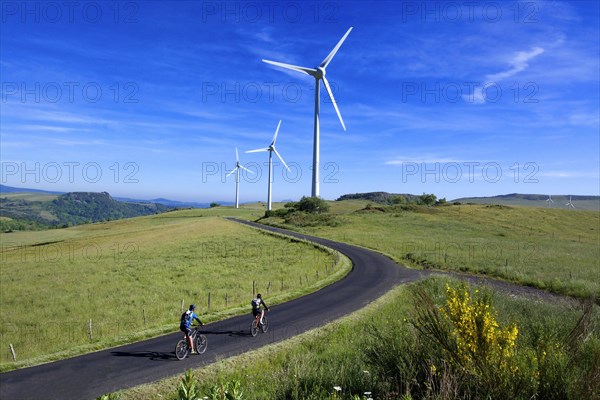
x,y
320,73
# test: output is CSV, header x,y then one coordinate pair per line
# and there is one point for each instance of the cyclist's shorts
x,y
256,311
185,330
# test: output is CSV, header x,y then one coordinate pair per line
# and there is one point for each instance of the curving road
x,y
92,375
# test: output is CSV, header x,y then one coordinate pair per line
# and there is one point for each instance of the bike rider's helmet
x,y
192,307
259,296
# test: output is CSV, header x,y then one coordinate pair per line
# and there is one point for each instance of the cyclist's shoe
x,y
194,352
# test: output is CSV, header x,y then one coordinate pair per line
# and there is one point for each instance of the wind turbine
x,y
319,74
549,200
271,149
237,168
570,203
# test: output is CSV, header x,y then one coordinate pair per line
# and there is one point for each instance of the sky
x,y
149,99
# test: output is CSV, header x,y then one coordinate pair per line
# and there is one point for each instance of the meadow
x,y
130,279
552,249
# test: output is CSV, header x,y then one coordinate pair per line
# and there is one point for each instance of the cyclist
x,y
256,303
185,325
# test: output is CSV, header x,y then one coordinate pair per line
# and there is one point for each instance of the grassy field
x,y
553,249
379,353
131,278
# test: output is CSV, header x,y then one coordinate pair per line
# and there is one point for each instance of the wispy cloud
x,y
518,63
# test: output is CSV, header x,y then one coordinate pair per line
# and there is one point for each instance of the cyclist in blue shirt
x,y
185,325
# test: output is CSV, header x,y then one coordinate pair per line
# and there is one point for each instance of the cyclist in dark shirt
x,y
186,323
256,310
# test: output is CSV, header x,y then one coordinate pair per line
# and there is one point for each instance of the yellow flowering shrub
x,y
480,340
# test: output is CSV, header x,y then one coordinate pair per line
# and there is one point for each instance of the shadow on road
x,y
228,332
152,355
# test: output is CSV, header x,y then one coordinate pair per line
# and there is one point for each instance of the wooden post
x,y
253,288
226,300
209,300
269,287
281,283
306,277
12,351
90,329
181,310
144,315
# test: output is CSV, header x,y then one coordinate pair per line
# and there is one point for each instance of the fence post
x,y
253,288
12,351
269,287
144,315
226,300
181,310
90,329
282,284
209,300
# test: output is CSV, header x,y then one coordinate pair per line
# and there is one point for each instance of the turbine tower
x,y
237,168
319,74
271,149
549,200
570,203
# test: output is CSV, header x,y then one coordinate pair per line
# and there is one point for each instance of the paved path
x,y
91,375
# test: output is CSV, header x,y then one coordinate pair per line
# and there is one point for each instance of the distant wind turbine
x,y
237,168
319,74
549,201
271,149
570,203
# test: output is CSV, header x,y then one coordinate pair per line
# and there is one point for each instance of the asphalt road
x,y
91,375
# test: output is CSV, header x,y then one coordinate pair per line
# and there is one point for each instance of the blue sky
x,y
150,99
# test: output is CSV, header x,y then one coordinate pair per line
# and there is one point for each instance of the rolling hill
x,y
41,210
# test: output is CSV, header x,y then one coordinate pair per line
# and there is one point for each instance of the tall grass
x,y
132,277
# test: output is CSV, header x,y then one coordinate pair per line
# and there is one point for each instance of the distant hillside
x,y
381,197
4,190
537,200
69,209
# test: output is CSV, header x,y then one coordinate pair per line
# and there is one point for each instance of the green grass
x,y
131,277
345,354
557,250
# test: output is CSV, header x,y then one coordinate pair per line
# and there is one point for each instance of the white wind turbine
x,y
319,74
271,149
549,200
570,203
237,168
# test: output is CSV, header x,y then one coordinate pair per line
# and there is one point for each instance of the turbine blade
x,y
327,59
304,70
278,155
276,132
237,157
245,169
333,101
232,171
257,150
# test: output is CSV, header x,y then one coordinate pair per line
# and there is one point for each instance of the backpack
x,y
185,318
255,303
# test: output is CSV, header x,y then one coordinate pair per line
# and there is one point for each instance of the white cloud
x,y
518,63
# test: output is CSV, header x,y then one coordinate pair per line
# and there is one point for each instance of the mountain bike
x,y
183,346
256,325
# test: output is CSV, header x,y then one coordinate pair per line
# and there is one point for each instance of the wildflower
x,y
337,388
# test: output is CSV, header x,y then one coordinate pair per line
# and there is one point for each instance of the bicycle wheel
x,y
182,349
201,344
254,328
264,327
